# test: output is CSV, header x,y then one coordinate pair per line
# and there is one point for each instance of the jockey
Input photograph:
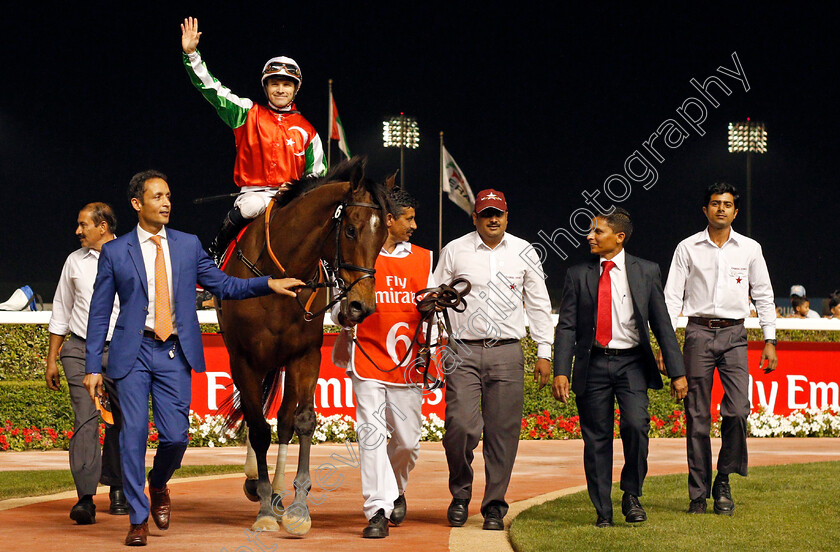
x,y
275,144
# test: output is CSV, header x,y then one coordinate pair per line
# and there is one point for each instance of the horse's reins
x,y
430,301
322,274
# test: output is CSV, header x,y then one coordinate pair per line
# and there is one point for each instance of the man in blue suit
x,y
156,340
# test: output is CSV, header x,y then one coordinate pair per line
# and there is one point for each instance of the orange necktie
x,y
163,316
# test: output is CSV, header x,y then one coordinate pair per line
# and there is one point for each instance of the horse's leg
x,y
251,473
296,518
259,438
285,430
278,484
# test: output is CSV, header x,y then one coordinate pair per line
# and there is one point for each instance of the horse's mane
x,y
338,173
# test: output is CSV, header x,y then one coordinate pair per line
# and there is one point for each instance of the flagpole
x,y
440,198
329,127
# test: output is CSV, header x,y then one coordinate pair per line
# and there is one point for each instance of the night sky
x,y
542,103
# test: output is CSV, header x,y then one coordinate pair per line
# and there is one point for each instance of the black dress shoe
x,y
493,519
377,526
398,513
603,521
84,512
119,504
632,509
697,506
458,512
722,493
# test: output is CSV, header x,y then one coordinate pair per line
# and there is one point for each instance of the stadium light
x,y
748,137
401,132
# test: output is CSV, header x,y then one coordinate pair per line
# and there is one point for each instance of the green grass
x,y
792,508
14,484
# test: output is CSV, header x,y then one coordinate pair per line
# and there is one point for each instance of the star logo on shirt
x,y
513,287
738,280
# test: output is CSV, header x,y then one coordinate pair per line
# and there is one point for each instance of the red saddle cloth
x,y
231,246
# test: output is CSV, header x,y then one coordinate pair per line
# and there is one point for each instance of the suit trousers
x,y
484,392
90,464
385,463
610,379
706,349
168,381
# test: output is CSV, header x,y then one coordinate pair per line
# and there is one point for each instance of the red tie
x,y
603,333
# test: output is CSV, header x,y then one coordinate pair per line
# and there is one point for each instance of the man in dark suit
x,y
603,323
156,340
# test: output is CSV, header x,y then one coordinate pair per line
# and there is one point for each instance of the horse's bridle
x,y
325,276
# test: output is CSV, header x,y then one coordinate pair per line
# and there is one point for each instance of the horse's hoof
x,y
277,505
265,523
297,525
250,488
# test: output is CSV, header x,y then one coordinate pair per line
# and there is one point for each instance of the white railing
x,y
209,317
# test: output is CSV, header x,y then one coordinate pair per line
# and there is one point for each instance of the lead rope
x,y
430,301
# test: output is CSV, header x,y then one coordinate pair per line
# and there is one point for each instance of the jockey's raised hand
x,y
189,35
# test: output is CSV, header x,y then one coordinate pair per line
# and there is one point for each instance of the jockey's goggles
x,y
281,68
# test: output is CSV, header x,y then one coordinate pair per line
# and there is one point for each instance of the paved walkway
x,y
212,514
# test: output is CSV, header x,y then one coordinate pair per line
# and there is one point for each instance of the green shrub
x,y
30,403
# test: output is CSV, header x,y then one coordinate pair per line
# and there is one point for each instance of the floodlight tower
x,y
401,132
748,137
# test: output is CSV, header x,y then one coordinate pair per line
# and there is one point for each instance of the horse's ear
x,y
391,181
357,177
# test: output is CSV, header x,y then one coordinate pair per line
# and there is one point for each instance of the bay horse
x,y
338,220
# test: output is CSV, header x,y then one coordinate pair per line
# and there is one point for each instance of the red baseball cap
x,y
490,199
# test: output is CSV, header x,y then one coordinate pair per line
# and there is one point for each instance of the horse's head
x,y
363,232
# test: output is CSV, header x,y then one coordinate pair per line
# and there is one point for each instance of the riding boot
x,y
231,225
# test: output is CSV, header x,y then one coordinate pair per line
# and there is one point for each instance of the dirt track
x,y
213,515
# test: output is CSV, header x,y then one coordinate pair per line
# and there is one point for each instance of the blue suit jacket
x,y
122,271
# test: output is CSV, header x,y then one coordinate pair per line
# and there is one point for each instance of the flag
x,y
337,129
454,183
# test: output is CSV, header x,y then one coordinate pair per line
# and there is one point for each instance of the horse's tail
x,y
231,407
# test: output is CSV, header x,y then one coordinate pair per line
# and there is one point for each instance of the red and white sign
x,y
807,377
333,394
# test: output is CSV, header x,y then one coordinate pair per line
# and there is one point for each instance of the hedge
x,y
26,402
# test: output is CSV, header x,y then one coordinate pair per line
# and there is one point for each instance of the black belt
x,y
151,335
616,352
77,336
488,343
715,323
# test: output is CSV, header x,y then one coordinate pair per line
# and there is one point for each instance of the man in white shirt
x,y
712,276
89,464
606,310
387,387
485,379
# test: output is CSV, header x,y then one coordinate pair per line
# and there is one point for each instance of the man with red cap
x,y
275,144
485,373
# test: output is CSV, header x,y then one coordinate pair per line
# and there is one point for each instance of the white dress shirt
x,y
625,334
149,250
716,282
507,281
71,304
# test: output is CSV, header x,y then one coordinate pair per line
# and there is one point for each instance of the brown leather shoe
x,y
160,506
137,534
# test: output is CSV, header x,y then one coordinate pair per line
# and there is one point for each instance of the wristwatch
x,y
770,341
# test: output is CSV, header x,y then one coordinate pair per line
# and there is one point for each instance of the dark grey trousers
x,y
89,463
610,379
706,349
484,392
